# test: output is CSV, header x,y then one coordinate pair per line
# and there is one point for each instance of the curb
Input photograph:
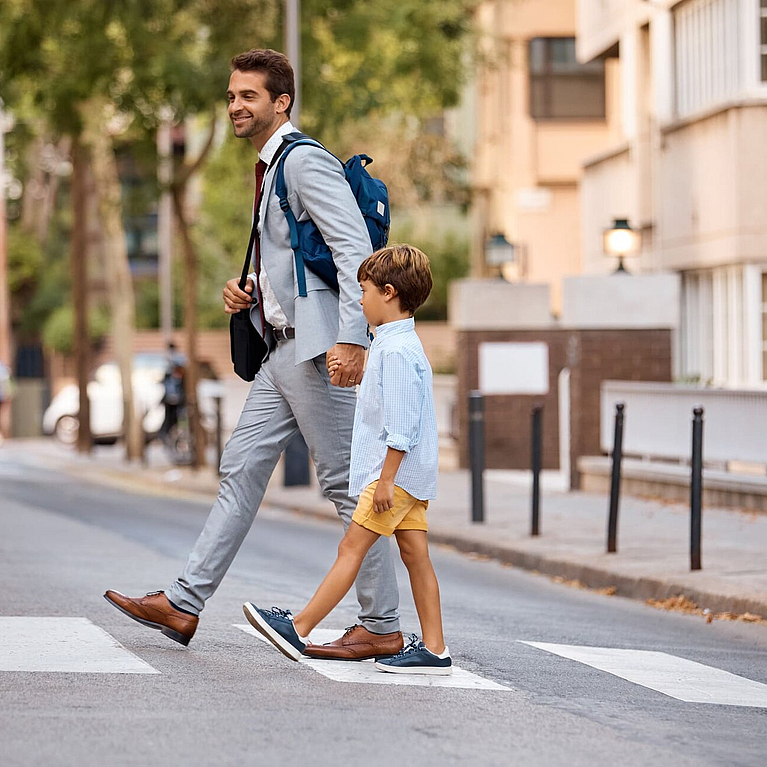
x,y
640,588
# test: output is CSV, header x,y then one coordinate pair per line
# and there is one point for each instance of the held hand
x,y
351,363
383,497
235,299
334,365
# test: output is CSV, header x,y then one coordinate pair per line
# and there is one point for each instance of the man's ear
x,y
282,102
389,292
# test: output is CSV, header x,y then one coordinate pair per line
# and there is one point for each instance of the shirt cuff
x,y
398,442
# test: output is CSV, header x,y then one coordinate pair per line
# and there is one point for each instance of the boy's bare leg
x,y
351,551
414,549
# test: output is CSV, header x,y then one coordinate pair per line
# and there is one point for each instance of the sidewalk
x,y
653,537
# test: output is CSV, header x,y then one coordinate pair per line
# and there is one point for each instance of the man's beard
x,y
254,127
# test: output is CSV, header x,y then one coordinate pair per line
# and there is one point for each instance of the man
x,y
292,390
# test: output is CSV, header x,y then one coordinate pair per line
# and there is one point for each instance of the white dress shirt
x,y
273,312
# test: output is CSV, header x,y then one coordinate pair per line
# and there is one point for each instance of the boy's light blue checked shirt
x,y
395,408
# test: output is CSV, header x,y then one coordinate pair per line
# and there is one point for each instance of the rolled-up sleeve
x,y
403,394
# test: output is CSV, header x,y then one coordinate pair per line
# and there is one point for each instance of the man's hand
x,y
383,497
348,362
235,299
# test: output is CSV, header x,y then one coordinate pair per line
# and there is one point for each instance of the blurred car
x,y
105,395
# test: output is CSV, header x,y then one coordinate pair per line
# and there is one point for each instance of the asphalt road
x,y
230,700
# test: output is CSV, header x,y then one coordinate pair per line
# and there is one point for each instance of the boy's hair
x,y
403,267
275,66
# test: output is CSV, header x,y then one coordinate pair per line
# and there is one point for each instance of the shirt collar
x,y
395,328
273,142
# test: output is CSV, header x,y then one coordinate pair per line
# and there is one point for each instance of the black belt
x,y
283,334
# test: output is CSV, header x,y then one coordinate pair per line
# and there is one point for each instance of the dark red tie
x,y
261,167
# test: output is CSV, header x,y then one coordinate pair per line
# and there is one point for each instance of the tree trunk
x,y
80,291
122,300
190,328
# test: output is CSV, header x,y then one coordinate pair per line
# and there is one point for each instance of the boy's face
x,y
374,302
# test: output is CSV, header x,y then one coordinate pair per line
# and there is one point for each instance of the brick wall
x,y
592,357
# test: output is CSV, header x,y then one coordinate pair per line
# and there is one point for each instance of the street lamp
x,y
501,253
620,240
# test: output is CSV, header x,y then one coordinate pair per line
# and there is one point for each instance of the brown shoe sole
x,y
168,632
353,660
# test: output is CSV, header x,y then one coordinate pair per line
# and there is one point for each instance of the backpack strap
x,y
281,190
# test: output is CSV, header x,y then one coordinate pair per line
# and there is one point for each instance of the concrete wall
x,y
496,304
621,301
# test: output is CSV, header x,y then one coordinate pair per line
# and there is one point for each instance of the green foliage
x,y
25,260
58,331
449,260
362,59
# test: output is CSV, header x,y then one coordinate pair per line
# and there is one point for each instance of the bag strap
x,y
257,215
281,190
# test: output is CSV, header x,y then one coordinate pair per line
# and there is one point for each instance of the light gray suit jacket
x,y
317,190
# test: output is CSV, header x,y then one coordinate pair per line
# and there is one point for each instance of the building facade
x,y
539,113
688,168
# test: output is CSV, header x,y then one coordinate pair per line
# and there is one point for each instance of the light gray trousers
x,y
284,399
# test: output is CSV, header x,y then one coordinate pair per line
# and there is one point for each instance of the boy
x,y
393,467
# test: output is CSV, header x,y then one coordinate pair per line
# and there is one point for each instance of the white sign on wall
x,y
514,368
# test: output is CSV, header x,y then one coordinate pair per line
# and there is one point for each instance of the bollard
x,y
297,463
477,454
615,484
219,434
696,488
536,461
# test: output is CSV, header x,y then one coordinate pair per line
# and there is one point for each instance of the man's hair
x,y
276,67
405,268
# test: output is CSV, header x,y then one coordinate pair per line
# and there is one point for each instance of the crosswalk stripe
x,y
365,672
676,677
64,645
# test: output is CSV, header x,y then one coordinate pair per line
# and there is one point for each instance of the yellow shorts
x,y
408,513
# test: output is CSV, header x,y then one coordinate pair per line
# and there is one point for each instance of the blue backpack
x,y
306,241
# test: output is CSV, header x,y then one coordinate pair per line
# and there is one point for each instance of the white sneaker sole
x,y
421,670
263,628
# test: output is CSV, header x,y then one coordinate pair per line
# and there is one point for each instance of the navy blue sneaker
x,y
414,658
277,626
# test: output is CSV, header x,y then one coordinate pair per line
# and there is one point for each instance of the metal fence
x,y
658,421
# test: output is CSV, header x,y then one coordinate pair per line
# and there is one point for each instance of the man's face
x,y
251,108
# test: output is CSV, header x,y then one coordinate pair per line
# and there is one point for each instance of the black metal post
x,y
477,454
696,488
536,461
219,434
615,484
297,463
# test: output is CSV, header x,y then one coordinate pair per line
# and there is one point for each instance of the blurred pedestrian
x,y
173,391
292,390
393,468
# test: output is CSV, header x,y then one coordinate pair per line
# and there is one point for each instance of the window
x,y
707,50
560,87
763,37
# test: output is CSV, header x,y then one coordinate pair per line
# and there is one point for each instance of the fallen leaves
x,y
684,604
606,591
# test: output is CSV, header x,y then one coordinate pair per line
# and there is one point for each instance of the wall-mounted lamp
x,y
621,240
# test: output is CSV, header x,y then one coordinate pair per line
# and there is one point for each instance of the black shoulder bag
x,y
247,347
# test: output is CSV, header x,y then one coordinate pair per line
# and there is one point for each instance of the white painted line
x,y
365,672
66,645
668,674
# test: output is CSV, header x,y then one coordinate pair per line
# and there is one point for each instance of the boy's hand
x,y
334,367
383,498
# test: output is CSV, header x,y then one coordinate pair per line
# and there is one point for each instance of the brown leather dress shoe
x,y
154,610
358,644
